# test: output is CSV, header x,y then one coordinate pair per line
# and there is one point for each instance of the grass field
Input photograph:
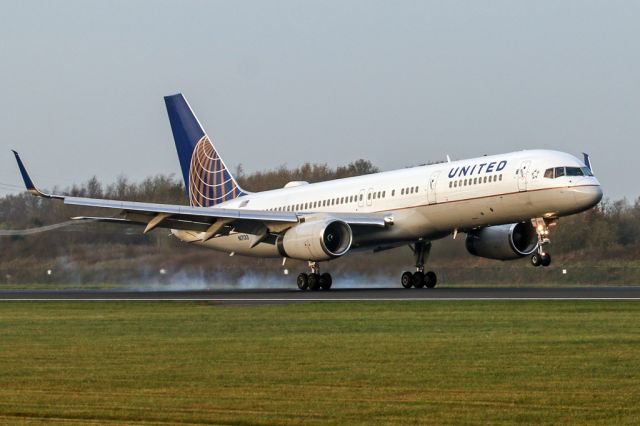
x,y
340,362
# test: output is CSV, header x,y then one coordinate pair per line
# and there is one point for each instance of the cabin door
x,y
431,188
523,175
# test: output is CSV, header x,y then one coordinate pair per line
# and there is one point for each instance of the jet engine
x,y
316,240
503,242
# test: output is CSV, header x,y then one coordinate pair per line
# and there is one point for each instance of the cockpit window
x,y
557,172
586,171
574,171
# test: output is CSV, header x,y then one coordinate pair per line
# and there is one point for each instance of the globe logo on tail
x,y
210,183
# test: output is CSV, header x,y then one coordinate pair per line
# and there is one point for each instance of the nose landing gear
x,y
542,257
314,281
419,279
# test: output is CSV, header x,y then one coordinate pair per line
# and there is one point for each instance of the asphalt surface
x,y
290,295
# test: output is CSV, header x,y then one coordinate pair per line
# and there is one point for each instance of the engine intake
x,y
503,242
316,240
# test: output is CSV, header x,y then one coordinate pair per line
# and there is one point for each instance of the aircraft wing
x,y
212,221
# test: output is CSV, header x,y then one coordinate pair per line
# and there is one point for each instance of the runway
x,y
291,296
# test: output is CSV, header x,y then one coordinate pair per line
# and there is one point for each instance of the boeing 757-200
x,y
506,205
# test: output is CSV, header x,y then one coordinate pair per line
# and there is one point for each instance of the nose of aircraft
x,y
588,196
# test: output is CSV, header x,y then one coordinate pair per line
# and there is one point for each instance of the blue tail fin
x,y
206,177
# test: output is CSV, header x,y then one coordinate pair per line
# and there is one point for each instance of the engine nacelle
x,y
316,240
503,242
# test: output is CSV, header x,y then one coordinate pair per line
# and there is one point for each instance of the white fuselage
x,y
430,202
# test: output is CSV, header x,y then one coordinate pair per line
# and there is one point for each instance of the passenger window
x,y
485,180
500,178
455,183
559,171
378,194
417,189
368,196
374,195
384,193
475,180
402,191
393,192
360,197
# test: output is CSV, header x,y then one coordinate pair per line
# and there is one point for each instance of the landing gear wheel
x,y
418,279
325,281
536,259
546,259
314,282
407,279
430,279
303,281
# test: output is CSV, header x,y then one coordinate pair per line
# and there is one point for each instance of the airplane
x,y
505,204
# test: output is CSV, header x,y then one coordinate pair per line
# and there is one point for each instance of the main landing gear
x,y
315,280
419,279
541,257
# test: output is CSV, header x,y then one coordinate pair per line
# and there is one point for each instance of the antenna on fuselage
x,y
448,158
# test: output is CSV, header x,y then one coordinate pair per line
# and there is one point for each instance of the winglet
x,y
28,183
587,161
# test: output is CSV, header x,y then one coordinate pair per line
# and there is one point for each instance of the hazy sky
x,y
275,82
